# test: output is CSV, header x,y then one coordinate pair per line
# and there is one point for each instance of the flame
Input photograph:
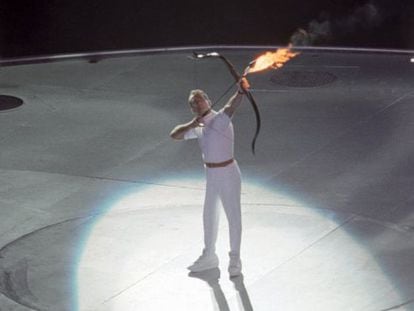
x,y
272,60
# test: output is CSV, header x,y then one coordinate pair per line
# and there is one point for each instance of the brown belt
x,y
220,164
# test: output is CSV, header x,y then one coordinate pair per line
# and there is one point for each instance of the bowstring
x,y
216,101
224,94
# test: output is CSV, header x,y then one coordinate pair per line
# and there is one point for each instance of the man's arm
x,y
179,131
235,101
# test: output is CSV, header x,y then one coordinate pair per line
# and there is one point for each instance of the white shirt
x,y
216,137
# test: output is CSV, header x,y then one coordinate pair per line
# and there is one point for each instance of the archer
x,y
214,131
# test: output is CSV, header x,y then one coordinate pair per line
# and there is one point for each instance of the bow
x,y
237,78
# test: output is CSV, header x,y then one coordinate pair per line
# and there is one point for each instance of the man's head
x,y
199,102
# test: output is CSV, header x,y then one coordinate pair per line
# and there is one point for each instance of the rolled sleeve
x,y
191,134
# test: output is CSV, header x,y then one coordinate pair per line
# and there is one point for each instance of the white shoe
x,y
235,265
204,262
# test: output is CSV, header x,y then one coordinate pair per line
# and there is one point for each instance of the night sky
x,y
53,27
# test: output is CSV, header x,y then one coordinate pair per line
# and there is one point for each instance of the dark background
x,y
52,27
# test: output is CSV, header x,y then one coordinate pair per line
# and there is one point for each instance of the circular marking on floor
x,y
300,78
8,102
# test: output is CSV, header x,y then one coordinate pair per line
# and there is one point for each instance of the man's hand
x,y
243,84
196,122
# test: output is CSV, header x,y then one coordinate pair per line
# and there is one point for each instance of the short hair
x,y
198,93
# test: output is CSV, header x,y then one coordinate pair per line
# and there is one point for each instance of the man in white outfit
x,y
214,131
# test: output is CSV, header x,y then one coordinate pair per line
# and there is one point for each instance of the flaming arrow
x,y
273,60
237,78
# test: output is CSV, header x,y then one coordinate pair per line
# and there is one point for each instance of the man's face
x,y
199,105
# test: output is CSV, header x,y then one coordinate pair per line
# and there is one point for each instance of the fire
x,y
272,60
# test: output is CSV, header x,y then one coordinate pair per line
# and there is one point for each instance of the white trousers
x,y
223,184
